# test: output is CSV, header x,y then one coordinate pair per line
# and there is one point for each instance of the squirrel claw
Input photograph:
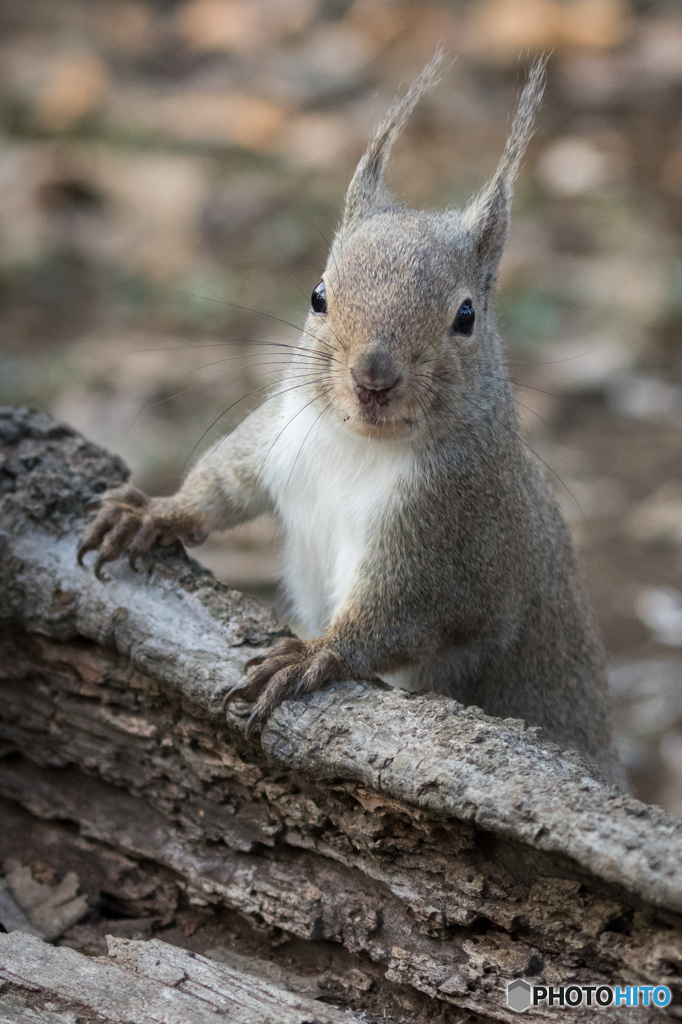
x,y
291,668
231,695
255,720
129,522
99,565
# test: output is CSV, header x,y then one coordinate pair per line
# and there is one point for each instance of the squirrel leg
x,y
130,521
290,668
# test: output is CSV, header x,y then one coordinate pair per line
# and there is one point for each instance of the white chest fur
x,y
331,488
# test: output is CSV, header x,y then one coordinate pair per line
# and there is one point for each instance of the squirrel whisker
x,y
230,407
257,312
218,376
150,404
285,427
222,344
315,423
518,384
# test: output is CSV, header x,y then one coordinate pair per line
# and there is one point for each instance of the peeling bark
x,y
456,850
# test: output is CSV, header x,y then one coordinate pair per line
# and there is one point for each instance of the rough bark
x,y
456,850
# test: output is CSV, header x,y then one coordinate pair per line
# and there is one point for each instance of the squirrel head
x,y
402,316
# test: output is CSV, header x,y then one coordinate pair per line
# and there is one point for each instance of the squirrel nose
x,y
374,375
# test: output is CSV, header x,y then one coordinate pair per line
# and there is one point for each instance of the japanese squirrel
x,y
423,543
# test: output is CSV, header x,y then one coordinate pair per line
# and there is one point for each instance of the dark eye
x,y
318,300
465,319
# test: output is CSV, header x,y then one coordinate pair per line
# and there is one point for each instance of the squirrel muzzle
x,y
375,378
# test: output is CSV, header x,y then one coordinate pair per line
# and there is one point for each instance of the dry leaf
x,y
51,908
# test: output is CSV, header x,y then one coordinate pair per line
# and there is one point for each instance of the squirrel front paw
x,y
129,520
290,668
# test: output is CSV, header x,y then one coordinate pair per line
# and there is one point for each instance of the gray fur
x,y
468,580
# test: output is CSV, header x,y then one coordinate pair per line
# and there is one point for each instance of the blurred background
x,y
165,163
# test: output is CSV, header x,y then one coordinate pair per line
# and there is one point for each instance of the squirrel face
x,y
402,333
389,324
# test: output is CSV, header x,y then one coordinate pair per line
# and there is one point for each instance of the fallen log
x,y
455,851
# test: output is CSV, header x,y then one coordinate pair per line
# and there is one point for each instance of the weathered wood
x,y
456,850
149,983
16,1012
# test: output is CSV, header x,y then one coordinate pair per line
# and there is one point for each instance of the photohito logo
x,y
522,996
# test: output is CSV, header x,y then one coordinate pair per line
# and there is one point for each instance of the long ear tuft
x,y
523,124
487,215
366,187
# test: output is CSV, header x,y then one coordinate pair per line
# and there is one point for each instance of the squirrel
x,y
422,542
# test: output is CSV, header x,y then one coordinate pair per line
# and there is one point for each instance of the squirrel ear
x,y
488,220
487,215
366,189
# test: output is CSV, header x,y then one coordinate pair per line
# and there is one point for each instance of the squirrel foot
x,y
290,668
129,520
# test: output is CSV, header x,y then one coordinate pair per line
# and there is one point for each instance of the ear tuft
x,y
523,124
487,215
366,187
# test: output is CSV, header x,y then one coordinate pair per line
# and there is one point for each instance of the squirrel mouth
x,y
375,379
374,412
373,402
377,413
373,419
373,397
375,407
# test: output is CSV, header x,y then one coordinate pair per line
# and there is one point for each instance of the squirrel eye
x,y
465,319
318,300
